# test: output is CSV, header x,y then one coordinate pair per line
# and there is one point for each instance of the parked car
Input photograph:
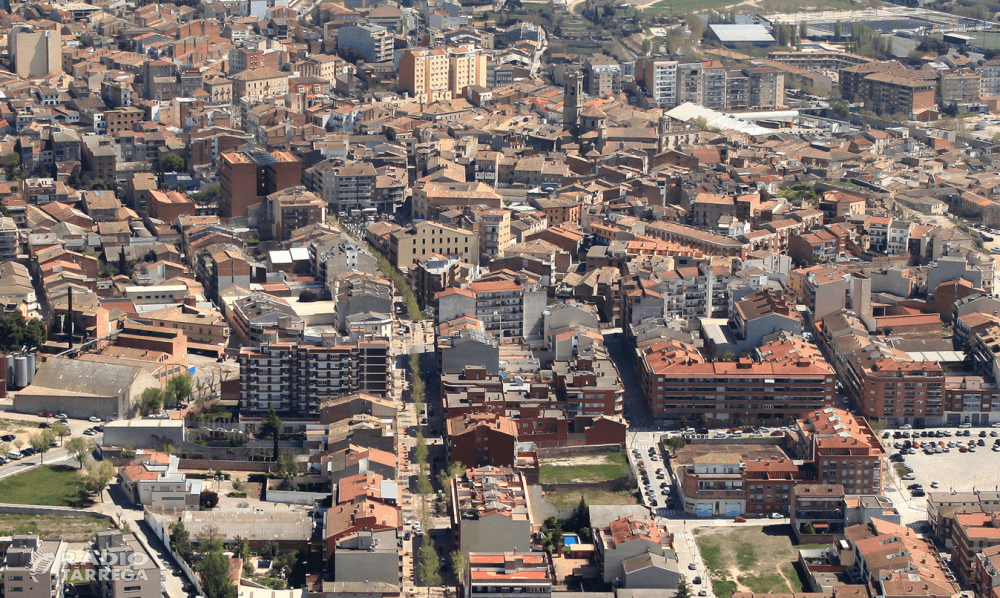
x,y
692,566
697,580
7,438
94,419
740,519
45,425
906,427
918,492
910,476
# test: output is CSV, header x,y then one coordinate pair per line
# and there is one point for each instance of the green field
x,y
746,559
568,499
599,468
71,529
49,485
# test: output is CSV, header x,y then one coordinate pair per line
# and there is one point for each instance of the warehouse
x,y
732,35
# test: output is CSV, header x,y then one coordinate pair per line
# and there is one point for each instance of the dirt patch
x,y
578,460
70,529
750,559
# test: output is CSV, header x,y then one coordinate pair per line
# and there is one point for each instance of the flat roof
x,y
742,33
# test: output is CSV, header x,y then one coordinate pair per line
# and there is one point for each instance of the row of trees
x,y
16,332
177,392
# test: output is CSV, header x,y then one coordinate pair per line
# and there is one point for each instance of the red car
x,y
740,520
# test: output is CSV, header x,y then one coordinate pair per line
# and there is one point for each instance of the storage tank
x,y
31,367
10,369
20,371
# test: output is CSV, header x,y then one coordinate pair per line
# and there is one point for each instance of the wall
x,y
225,465
161,532
576,451
58,511
297,498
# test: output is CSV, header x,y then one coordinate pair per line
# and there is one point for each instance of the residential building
x,y
602,75
248,176
295,379
291,209
33,568
505,306
491,510
818,508
786,378
517,573
660,78
844,449
424,74
373,41
481,439
126,568
35,53
10,243
430,238
153,480
260,83
767,88
971,533
346,186
626,538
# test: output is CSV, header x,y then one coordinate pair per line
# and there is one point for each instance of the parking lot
x,y
650,471
952,470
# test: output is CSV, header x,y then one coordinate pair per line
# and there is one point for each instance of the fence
x,y
58,511
161,532
229,465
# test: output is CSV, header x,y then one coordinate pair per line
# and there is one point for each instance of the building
x,y
732,35
434,197
767,88
424,74
660,78
35,53
243,59
373,41
481,439
626,538
491,511
295,379
787,378
430,238
260,83
346,186
33,568
291,209
362,542
602,75
83,389
517,573
844,449
153,480
894,561
971,533
494,231
943,506
466,68
817,509
248,176
10,243
504,305
125,567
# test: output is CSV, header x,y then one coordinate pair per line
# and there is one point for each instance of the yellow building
x,y
466,67
436,74
426,238
494,231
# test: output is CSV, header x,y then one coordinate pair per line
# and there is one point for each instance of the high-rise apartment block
x,y
35,53
441,73
248,176
374,41
669,82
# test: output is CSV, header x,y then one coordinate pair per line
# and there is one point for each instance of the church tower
x,y
572,100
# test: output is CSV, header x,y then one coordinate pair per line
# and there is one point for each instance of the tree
x,y
151,401
271,426
79,448
838,30
683,589
428,566
803,30
458,564
208,500
97,477
172,163
178,390
286,467
10,160
180,540
676,443
122,263
16,332
42,443
808,528
62,431
214,571
695,24
242,549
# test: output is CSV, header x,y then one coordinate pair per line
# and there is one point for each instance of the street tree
x,y
42,443
62,431
271,426
79,448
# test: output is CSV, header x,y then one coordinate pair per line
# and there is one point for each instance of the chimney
x,y
69,318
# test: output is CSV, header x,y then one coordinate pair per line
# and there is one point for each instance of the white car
x,y
95,419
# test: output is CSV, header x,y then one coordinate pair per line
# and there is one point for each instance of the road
x,y
637,411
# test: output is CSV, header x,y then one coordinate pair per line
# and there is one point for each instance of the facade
x,y
844,449
153,480
346,186
430,238
790,378
374,41
127,569
481,439
504,306
296,379
291,209
247,177
35,53
35,569
260,83
625,538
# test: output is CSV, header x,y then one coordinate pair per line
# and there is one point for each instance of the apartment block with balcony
x,y
127,569
627,538
817,509
295,379
33,568
790,378
491,510
502,303
844,449
589,385
971,533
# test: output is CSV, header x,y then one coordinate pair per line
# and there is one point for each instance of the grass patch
x,y
792,573
71,529
613,468
745,555
723,588
50,485
568,499
902,470
711,555
16,425
772,583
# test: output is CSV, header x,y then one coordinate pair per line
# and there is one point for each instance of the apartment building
x,y
256,317
430,238
943,506
126,568
959,87
602,75
466,68
153,480
891,558
706,242
738,90
589,385
888,94
424,73
789,377
508,573
295,379
713,76
505,306
491,510
433,198
494,231
374,41
245,59
291,209
971,533
852,78
767,88
818,506
986,572
248,176
660,78
690,81
844,449
345,186
260,83
692,292
35,53
33,568
205,329
482,439
9,239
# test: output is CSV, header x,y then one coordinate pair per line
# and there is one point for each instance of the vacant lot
x,y
750,559
591,468
70,529
51,485
568,499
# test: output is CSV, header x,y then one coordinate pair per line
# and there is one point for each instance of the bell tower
x,y
572,100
